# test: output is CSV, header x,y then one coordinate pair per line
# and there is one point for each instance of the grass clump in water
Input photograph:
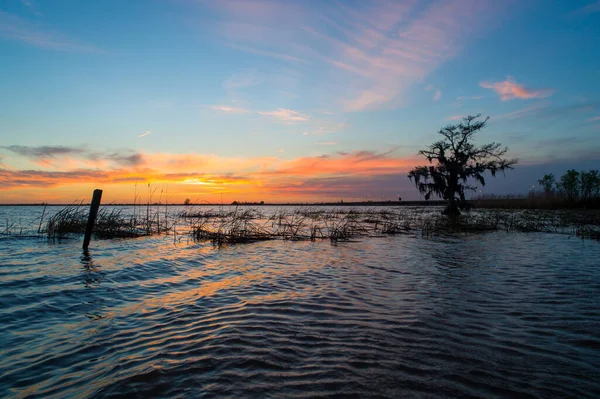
x,y
110,223
237,226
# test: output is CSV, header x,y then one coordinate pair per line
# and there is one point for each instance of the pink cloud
x,y
286,115
368,99
510,89
437,92
227,109
597,118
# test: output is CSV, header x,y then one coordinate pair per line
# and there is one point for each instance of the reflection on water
x,y
91,273
491,315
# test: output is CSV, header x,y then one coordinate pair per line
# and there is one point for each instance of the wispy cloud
x,y
41,151
286,115
510,89
520,113
369,99
325,127
455,117
284,57
597,118
437,92
65,158
463,98
16,28
327,143
370,53
146,133
32,7
229,110
587,10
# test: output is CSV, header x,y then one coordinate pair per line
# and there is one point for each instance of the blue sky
x,y
286,100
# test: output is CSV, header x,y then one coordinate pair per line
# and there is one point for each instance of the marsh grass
x,y
226,227
110,223
242,224
71,219
345,225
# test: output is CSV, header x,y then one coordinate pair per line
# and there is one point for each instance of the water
x,y
492,315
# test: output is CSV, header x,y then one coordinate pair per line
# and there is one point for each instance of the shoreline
x,y
360,203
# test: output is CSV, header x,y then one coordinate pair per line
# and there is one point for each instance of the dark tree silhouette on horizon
x,y
456,161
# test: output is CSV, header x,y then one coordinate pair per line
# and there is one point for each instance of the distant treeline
x,y
573,190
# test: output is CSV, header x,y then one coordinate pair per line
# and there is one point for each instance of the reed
x,y
70,220
243,225
110,223
237,226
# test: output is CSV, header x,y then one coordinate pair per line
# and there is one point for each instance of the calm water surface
x,y
494,315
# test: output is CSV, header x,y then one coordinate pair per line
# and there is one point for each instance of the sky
x,y
286,101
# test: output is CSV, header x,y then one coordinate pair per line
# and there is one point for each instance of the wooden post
x,y
92,218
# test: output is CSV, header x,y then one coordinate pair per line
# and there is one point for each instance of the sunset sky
x,y
308,100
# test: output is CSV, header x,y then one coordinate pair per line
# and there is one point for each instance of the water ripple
x,y
494,315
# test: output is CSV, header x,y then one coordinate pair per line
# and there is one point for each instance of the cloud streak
x,y
41,151
370,54
520,113
510,90
146,133
462,98
65,158
229,110
286,115
16,28
587,10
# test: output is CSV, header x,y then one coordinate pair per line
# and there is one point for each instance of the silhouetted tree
x,y
547,182
569,184
455,160
187,201
590,184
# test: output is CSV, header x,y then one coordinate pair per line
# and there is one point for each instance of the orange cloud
x,y
203,175
509,90
344,164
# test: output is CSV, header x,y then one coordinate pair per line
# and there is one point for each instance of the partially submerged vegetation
x,y
339,224
235,225
110,223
